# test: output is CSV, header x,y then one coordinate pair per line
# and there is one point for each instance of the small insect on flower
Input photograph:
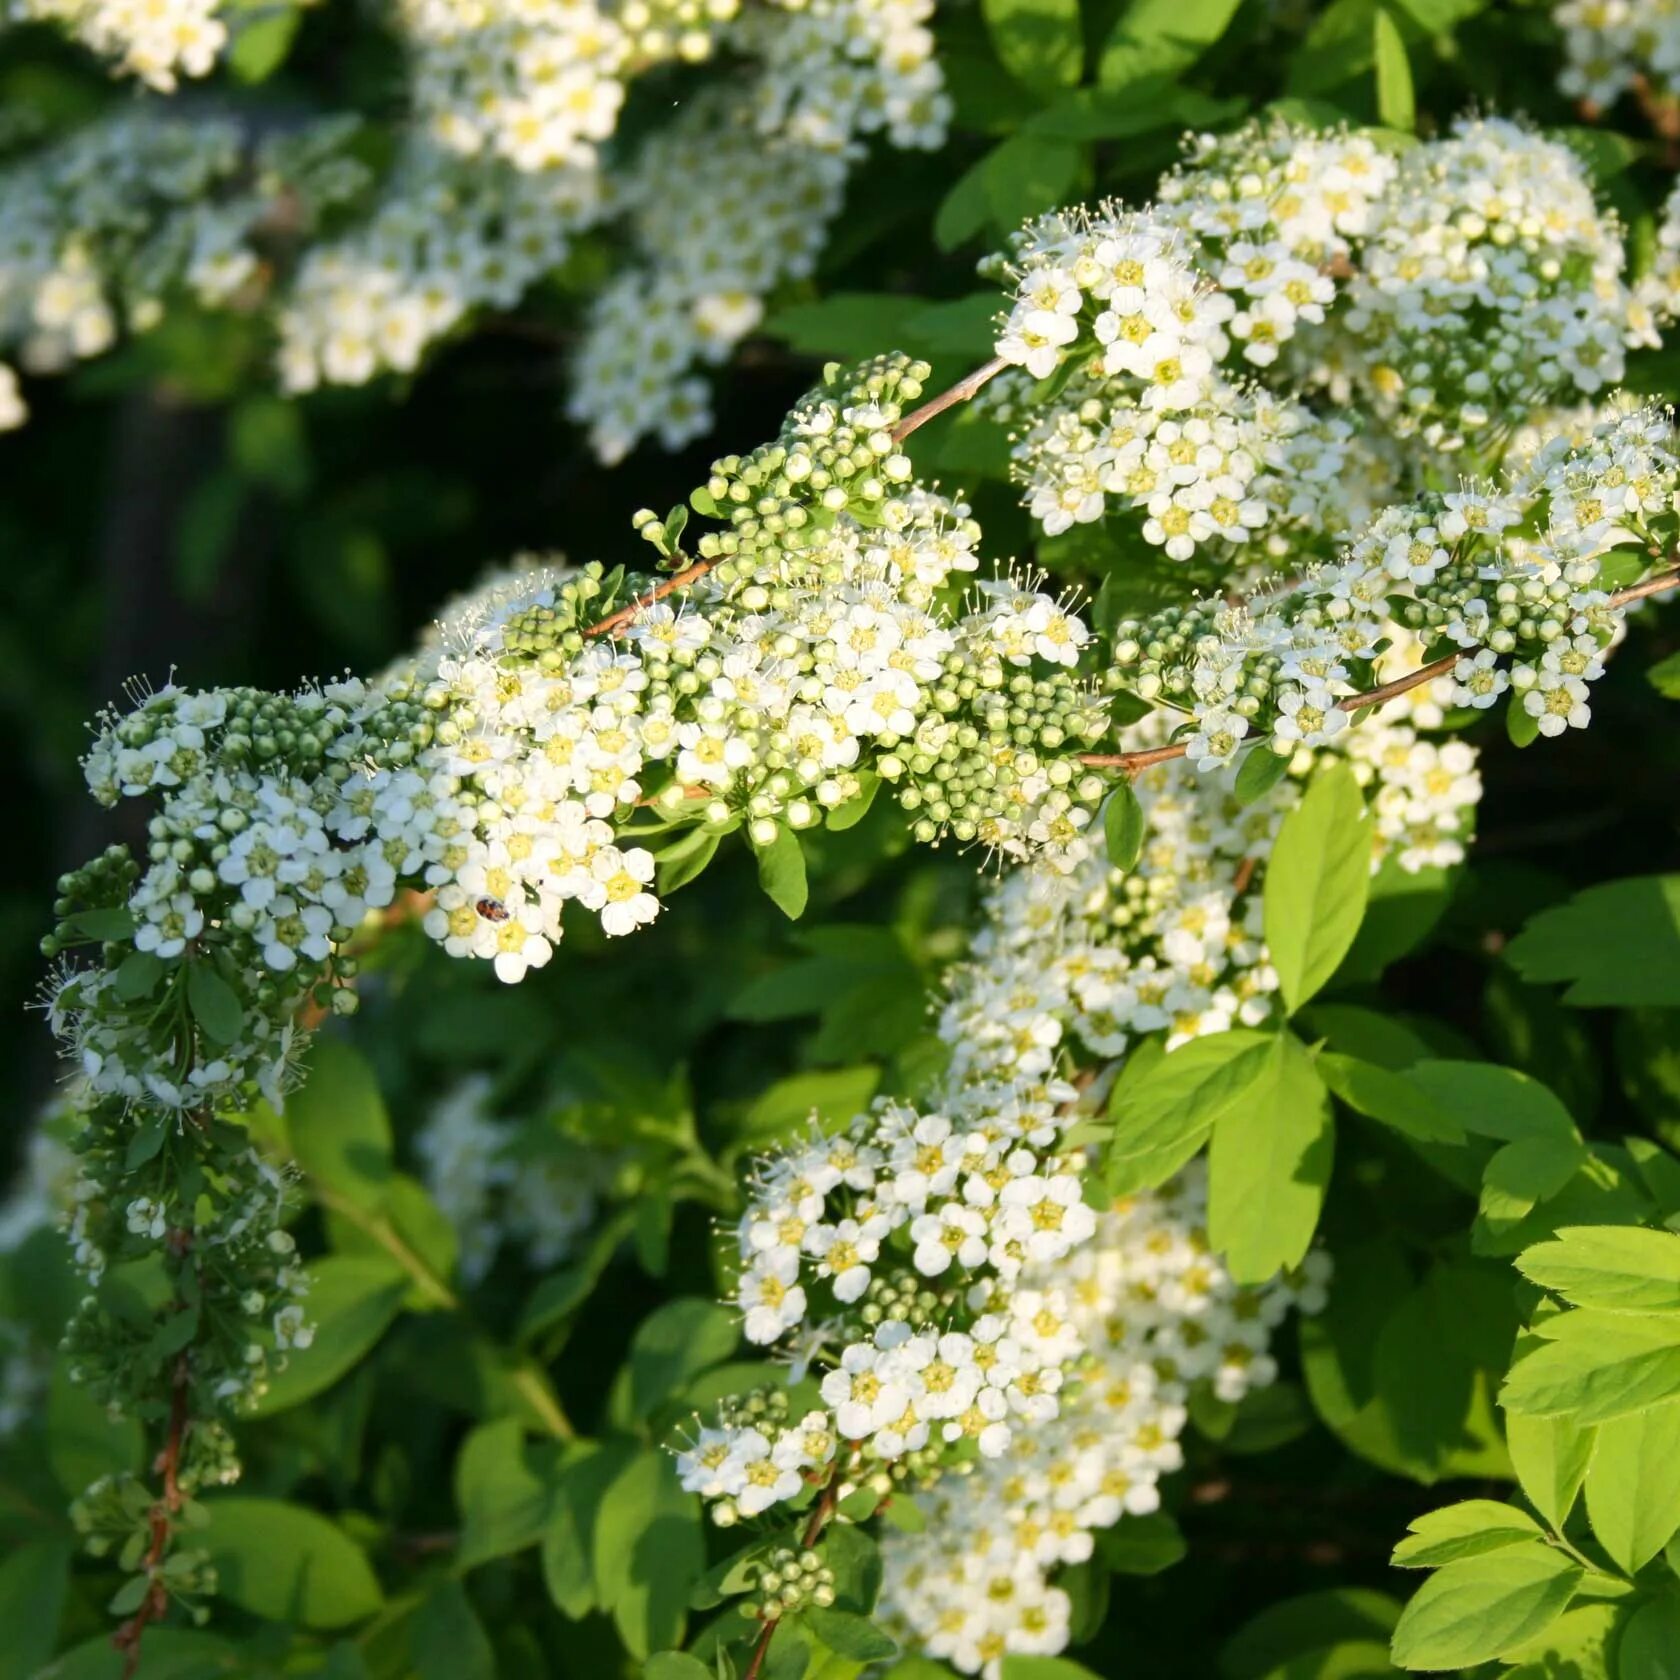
x,y
492,909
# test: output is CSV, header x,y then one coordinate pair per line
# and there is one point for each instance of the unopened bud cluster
x,y
785,1583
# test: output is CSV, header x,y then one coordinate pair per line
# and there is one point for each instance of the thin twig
x,y
958,393
624,615
163,1515
1131,763
820,1514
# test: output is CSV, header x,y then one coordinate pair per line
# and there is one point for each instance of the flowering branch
x,y
1131,763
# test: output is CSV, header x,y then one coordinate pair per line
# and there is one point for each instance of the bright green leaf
x,y
1269,1165
1123,825
674,1344
352,1301
1633,1485
1396,103
1471,1611
338,1126
1617,1268
1039,42
1551,1456
1467,1529
287,1564
781,873
1317,882
502,1492
1594,1366
1164,1111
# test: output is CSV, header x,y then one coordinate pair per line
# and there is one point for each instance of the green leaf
x,y
261,45
680,863
855,1559
1311,1622
101,924
1260,771
649,1552
1618,1268
1396,103
1664,677
1550,1456
675,1665
1317,881
850,1635
1161,38
1019,1667
1123,825
1269,1164
1039,42
1381,1094
1521,725
673,1345
585,1471
1595,1366
1493,1101
502,1492
1164,1110
446,1640
1142,1545
1633,1485
1649,1648
781,873
1467,1529
338,1126
288,1564
836,1094
852,811
1026,176
352,1302
1617,943
84,1442
34,1583
1471,1611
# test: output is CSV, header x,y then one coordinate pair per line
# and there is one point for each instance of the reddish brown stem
x,y
821,1512
958,393
164,1512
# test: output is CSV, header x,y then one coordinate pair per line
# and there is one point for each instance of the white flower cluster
x,y
1659,287
729,200
1453,290
537,84
157,40
498,768
448,235
835,70
1491,283
1151,1311
1452,566
978,1326
718,215
95,229
100,228
493,1193
1613,44
1152,417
